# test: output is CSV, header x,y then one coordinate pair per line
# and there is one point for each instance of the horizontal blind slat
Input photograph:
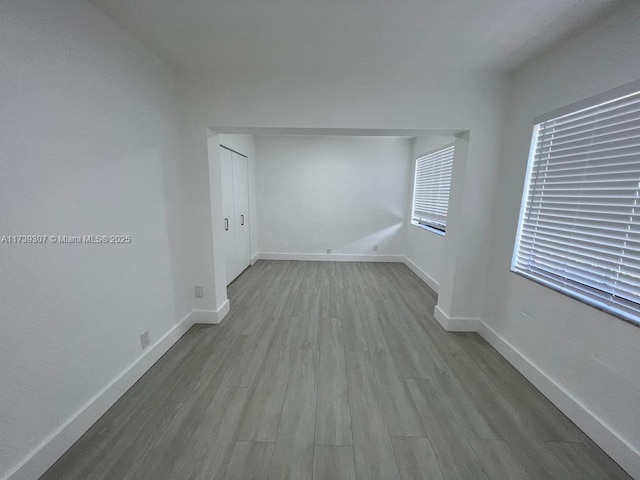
x,y
432,187
603,111
615,123
580,222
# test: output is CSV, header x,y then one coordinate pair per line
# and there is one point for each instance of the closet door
x,y
241,202
228,213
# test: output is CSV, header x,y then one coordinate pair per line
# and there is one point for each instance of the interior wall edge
x,y
211,317
38,461
455,324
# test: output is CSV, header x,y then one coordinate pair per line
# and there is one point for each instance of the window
x,y
579,229
431,189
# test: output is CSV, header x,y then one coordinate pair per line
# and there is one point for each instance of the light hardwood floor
x,y
332,371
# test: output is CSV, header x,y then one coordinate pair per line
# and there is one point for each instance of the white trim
x,y
625,454
453,324
212,317
45,455
223,310
330,257
205,316
424,276
341,257
441,317
60,440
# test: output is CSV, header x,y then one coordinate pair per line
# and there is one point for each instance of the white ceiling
x,y
258,35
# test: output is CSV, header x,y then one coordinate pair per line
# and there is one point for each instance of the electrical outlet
x,y
328,251
375,248
144,339
199,292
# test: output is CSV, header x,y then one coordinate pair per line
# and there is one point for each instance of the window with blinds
x,y
431,189
579,229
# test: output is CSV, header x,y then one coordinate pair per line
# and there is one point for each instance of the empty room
x,y
319,240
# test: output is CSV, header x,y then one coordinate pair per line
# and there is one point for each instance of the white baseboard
x,y
341,257
54,445
212,317
223,310
330,257
422,274
625,454
453,324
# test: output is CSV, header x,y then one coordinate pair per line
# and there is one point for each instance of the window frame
x,y
416,223
594,101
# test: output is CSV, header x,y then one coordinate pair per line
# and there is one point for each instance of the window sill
x,y
428,228
621,315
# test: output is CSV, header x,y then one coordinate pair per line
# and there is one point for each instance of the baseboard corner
x,y
455,324
211,317
223,310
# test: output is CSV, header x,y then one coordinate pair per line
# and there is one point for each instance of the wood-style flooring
x,y
332,371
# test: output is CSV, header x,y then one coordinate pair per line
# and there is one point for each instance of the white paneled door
x,y
235,210
241,202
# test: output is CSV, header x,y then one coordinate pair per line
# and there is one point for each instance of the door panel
x,y
228,213
241,202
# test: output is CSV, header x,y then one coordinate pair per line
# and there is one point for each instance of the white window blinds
x,y
579,228
431,189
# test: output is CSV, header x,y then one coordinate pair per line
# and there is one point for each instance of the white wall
x,y
593,356
363,98
89,145
346,194
424,248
